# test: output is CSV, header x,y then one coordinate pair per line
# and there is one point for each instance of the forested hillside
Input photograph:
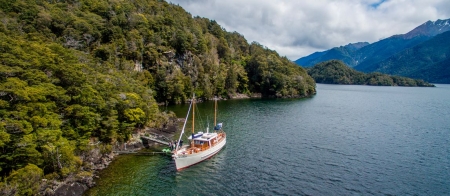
x,y
428,60
336,72
422,53
78,75
344,53
373,54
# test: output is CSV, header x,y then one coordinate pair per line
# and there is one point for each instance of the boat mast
x,y
215,110
193,120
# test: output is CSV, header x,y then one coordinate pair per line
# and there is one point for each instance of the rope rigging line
x,y
184,126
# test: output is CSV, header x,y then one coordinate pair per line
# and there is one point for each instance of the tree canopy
x,y
77,72
336,72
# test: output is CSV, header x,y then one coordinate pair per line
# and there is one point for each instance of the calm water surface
x,y
346,140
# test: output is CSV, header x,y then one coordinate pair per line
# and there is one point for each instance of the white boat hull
x,y
186,160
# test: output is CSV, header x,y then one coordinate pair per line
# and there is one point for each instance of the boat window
x,y
198,142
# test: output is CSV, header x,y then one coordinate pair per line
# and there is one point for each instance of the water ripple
x,y
347,140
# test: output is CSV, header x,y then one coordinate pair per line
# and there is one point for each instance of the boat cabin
x,y
203,140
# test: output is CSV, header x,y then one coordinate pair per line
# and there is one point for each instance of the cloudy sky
x,y
296,28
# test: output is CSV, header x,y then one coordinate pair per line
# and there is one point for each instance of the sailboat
x,y
201,145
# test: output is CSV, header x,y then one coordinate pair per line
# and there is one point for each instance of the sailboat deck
x,y
202,143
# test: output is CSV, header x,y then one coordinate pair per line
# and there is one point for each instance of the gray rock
x,y
72,189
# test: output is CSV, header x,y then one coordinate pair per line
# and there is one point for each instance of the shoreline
x,y
95,162
245,96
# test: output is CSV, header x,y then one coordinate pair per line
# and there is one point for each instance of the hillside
x,y
370,57
310,60
372,54
336,72
429,29
78,77
428,60
343,53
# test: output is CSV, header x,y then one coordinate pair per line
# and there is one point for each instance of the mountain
x,y
310,60
428,29
372,54
336,72
369,57
344,53
429,60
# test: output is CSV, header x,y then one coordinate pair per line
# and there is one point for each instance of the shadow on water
x,y
346,140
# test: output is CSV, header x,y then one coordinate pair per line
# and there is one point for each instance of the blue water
x,y
346,140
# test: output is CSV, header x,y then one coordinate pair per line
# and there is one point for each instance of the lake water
x,y
346,140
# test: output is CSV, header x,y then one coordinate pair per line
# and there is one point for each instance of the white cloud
x,y
299,28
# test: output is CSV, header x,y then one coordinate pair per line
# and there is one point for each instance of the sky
x,y
297,28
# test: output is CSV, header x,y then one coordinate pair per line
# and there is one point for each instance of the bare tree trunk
x,y
57,158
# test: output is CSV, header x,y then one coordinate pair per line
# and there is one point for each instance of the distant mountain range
x,y
422,53
429,60
343,53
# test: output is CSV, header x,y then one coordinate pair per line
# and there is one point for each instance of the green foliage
x,y
25,180
428,60
336,72
4,136
72,72
275,77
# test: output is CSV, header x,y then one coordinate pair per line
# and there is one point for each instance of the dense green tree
x,y
24,181
336,72
77,72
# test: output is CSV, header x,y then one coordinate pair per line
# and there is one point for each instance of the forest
x,y
336,72
79,75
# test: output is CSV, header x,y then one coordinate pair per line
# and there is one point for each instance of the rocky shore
x,y
77,184
99,158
